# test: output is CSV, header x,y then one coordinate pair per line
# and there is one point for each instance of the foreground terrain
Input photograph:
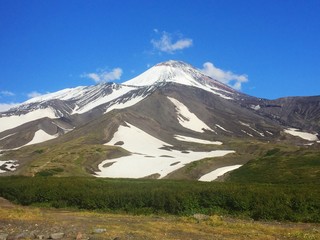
x,y
32,222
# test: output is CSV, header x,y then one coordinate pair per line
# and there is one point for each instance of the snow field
x,y
217,173
129,103
115,94
196,140
147,156
15,121
188,119
303,135
40,136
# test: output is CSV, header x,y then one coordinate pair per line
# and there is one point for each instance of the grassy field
x,y
298,166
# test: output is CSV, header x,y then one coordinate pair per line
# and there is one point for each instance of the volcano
x,y
154,125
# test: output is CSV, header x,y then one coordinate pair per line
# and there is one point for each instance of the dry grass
x,y
150,227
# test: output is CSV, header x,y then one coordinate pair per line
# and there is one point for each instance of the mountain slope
x,y
173,104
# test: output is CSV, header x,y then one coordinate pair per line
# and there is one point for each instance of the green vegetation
x,y
258,201
49,172
73,158
281,166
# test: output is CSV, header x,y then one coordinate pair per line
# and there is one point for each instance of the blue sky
x,y
266,48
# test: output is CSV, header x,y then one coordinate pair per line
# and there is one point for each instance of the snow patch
x,y
188,119
8,165
40,136
248,125
149,155
244,124
7,136
303,135
196,140
125,104
66,130
255,107
217,173
9,122
308,144
223,128
246,133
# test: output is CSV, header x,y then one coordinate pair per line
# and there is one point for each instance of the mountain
x,y
164,120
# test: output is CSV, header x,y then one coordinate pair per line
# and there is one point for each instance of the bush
x,y
257,201
49,172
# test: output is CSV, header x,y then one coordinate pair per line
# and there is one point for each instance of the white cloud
x,y
166,44
226,77
34,94
6,106
7,93
104,76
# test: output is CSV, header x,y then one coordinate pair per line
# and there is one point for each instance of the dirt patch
x,y
4,203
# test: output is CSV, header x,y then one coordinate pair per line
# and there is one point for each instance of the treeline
x,y
257,201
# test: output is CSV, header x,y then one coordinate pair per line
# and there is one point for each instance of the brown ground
x,y
30,223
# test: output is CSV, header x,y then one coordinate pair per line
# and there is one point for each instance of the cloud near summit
x,y
6,93
226,77
6,106
104,76
167,45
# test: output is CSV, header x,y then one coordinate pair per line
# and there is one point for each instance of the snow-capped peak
x,y
181,73
170,71
175,63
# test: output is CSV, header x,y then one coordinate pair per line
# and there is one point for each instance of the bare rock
x,y
99,230
79,236
3,236
200,217
56,235
22,236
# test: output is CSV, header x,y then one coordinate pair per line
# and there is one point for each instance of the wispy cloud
x,y
6,106
167,44
7,93
104,76
34,94
227,77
